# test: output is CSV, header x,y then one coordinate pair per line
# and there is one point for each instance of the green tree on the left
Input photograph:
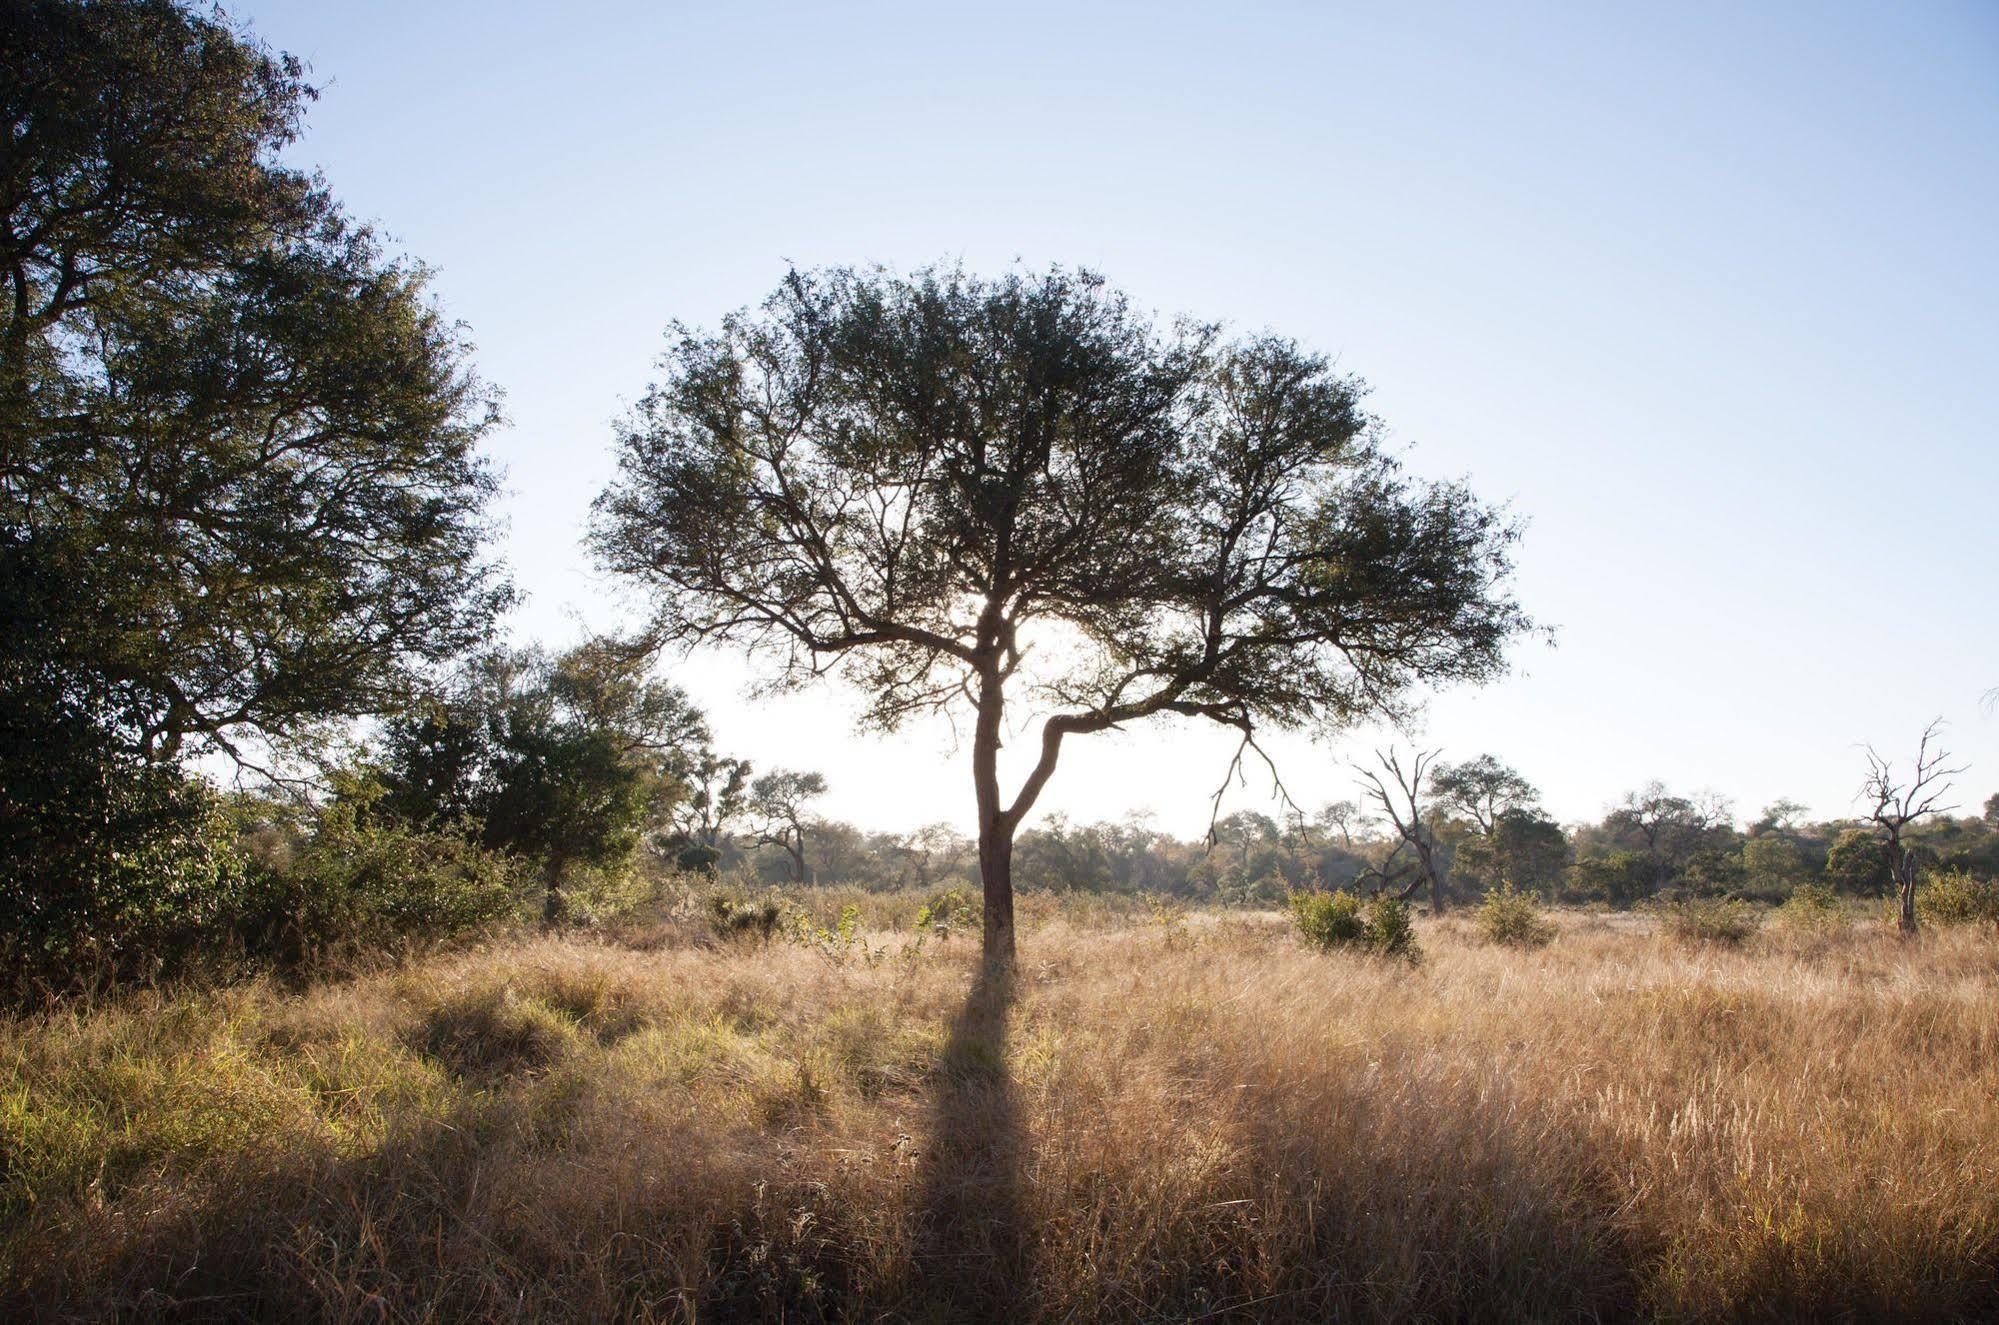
x,y
241,489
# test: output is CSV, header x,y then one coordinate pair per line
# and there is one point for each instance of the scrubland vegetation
x,y
360,962
1199,1116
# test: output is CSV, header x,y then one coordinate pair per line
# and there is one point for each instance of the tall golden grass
x,y
1194,1120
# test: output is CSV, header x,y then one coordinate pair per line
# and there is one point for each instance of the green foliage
x,y
241,441
1391,928
1132,482
1724,921
352,882
1813,908
1619,878
562,760
946,911
110,868
1771,862
1713,872
1335,920
1957,897
1512,917
1856,865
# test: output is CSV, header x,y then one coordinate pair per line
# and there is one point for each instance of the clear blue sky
x,y
1710,292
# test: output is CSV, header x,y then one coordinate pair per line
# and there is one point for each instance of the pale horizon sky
x,y
1709,293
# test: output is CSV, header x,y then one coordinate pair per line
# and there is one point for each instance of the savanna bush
x,y
734,918
110,870
349,882
1724,921
1381,925
1813,908
946,911
1512,917
1957,897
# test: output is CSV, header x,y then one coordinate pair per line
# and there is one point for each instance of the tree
x,y
1898,806
1670,826
779,799
1772,860
1403,804
563,760
1483,789
963,491
1780,817
238,444
1854,864
1525,848
718,793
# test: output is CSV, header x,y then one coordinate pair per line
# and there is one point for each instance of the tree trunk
x,y
995,832
1905,882
996,883
551,897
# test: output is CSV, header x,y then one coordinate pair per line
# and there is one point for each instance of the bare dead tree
x,y
1403,804
1897,806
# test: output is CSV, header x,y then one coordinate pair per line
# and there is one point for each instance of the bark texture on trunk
x,y
1905,884
995,832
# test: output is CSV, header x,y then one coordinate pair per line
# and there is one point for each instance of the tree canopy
x,y
240,489
944,486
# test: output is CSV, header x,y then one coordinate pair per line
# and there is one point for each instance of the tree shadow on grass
x,y
971,1251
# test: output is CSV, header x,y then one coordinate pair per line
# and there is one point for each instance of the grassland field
x,y
1163,1116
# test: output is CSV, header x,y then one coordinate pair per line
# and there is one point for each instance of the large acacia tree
x,y
970,492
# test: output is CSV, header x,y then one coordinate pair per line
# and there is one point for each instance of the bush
x,y
354,883
1813,907
946,911
1512,917
1340,920
110,870
1725,921
1955,897
734,918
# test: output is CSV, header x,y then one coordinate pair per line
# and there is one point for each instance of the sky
x,y
1708,293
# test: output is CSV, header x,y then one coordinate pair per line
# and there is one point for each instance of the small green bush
x,y
1512,917
1956,897
1723,921
947,911
1813,908
1333,920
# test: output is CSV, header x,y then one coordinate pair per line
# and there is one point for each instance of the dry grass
x,y
1189,1121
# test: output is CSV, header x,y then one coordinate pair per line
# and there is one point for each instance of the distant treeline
x,y
1652,844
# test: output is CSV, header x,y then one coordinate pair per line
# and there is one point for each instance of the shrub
x,y
1955,897
946,911
125,871
1721,920
1341,920
1814,907
1510,916
735,918
1390,930
355,883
